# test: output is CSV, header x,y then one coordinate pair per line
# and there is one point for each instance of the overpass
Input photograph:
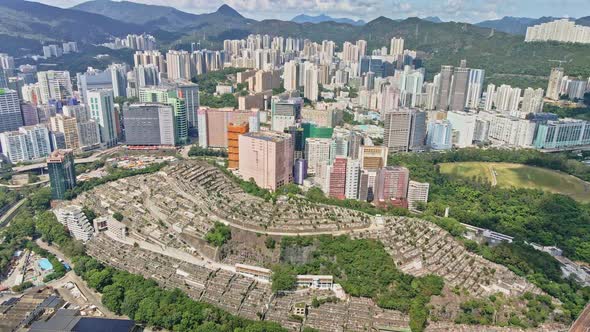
x,y
87,160
32,167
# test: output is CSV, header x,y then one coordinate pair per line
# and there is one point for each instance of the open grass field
x,y
521,176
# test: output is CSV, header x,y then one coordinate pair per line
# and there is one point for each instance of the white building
x,y
102,110
562,30
508,130
27,144
111,225
397,46
55,85
463,124
76,221
317,152
353,171
417,192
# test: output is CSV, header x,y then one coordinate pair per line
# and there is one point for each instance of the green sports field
x,y
521,176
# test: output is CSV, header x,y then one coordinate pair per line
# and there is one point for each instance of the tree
x,y
283,278
40,199
270,243
218,235
117,215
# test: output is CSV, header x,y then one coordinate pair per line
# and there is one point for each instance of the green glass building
x,y
62,173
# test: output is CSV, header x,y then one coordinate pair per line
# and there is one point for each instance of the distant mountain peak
x,y
302,18
226,10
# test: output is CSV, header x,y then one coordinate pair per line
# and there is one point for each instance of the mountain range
x,y
302,18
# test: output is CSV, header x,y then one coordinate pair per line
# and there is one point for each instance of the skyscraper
x,y
62,173
475,87
290,76
102,110
459,89
10,112
311,86
190,93
396,136
444,87
353,172
418,131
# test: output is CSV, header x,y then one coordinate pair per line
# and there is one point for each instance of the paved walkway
x,y
175,253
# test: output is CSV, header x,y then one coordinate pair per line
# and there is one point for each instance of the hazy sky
x,y
456,10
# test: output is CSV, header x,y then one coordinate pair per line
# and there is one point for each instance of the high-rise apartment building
x,y
10,112
353,172
290,75
554,85
317,152
474,88
266,157
62,173
179,65
532,101
311,85
68,126
149,124
396,47
27,144
54,85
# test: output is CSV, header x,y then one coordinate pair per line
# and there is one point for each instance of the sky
x,y
448,10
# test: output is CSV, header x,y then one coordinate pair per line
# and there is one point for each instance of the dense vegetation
x,y
218,235
541,269
526,214
582,113
362,268
197,151
523,213
209,81
7,198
